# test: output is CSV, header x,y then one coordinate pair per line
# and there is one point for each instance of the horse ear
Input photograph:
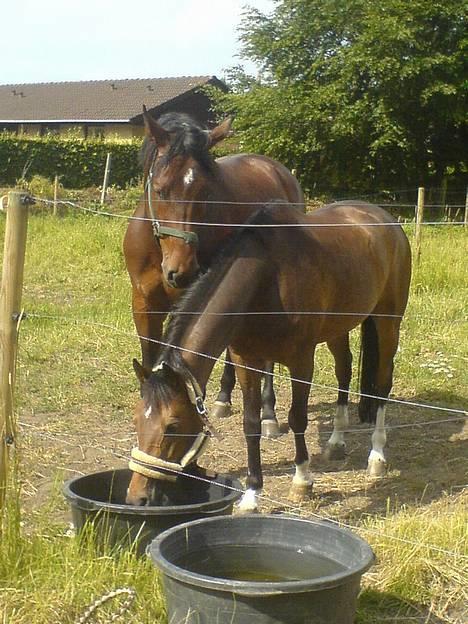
x,y
220,132
141,372
153,130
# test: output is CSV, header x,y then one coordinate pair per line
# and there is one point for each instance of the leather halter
x,y
162,231
157,468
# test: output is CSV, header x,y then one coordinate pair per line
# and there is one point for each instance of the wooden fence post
x,y
10,308
106,178
466,208
56,189
419,220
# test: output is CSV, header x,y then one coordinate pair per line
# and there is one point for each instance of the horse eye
x,y
162,194
171,429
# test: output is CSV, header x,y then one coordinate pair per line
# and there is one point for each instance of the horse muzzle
x,y
157,468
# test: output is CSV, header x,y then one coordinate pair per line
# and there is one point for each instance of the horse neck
x,y
221,310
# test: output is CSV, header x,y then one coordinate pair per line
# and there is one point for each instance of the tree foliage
x,y
355,94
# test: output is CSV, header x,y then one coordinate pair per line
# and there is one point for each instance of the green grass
x,y
73,371
50,576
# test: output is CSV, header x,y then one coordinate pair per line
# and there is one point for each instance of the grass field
x,y
76,390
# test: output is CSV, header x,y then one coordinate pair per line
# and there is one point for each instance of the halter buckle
x,y
200,406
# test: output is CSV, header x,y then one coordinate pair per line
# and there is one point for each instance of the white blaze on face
x,y
148,412
188,177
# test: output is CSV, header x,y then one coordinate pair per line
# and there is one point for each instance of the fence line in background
x,y
245,225
463,412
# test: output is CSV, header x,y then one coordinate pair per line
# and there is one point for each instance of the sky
x,y
61,40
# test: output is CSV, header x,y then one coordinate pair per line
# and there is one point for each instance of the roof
x,y
94,100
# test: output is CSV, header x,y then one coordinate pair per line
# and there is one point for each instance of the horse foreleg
x,y
270,426
302,481
250,383
341,352
223,405
149,311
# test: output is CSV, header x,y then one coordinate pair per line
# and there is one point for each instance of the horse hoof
x,y
248,503
221,409
270,428
376,469
335,452
300,493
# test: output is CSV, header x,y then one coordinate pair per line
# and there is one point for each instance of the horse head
x,y
180,175
170,425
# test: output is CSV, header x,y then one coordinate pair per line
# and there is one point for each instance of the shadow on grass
x,y
375,606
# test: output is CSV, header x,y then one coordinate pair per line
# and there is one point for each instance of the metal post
x,y
419,220
106,178
10,307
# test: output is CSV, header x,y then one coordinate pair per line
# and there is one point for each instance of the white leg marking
x,y
340,423
188,177
376,457
302,475
248,502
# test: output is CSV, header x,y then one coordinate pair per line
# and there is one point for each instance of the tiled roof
x,y
94,100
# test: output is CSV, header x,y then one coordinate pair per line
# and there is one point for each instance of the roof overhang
x,y
24,121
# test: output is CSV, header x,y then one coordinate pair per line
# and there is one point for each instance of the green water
x,y
258,563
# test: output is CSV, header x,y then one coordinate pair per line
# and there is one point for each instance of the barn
x,y
101,108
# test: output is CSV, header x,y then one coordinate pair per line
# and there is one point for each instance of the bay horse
x,y
347,264
169,241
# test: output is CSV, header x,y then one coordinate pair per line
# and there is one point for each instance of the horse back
x,y
253,178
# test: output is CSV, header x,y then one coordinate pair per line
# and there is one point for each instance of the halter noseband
x,y
162,231
156,468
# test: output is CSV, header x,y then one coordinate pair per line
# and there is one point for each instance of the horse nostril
x,y
172,278
137,501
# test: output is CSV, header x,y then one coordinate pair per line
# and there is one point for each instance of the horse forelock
x,y
158,389
188,138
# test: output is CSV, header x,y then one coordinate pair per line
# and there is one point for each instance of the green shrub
x,y
79,163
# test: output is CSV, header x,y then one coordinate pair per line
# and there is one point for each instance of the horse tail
x,y
368,365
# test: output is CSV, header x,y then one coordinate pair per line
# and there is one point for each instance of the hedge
x,y
79,163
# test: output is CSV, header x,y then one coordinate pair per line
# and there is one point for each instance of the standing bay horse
x,y
171,240
345,264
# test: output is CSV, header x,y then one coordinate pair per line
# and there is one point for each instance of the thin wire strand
x,y
221,202
245,225
297,511
294,510
251,368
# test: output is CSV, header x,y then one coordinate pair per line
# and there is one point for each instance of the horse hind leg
x,y
369,361
302,482
336,445
222,407
270,426
387,331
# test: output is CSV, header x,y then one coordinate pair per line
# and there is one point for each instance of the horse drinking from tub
x,y
347,264
170,240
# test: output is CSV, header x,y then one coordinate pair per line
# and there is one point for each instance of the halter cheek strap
x,y
157,468
162,231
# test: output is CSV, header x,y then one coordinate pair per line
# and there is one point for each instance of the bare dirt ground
x,y
425,462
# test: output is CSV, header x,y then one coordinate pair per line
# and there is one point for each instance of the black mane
x,y
189,138
200,291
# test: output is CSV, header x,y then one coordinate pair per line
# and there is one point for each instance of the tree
x,y
356,94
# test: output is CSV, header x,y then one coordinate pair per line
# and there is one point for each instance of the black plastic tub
x,y
99,499
261,569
